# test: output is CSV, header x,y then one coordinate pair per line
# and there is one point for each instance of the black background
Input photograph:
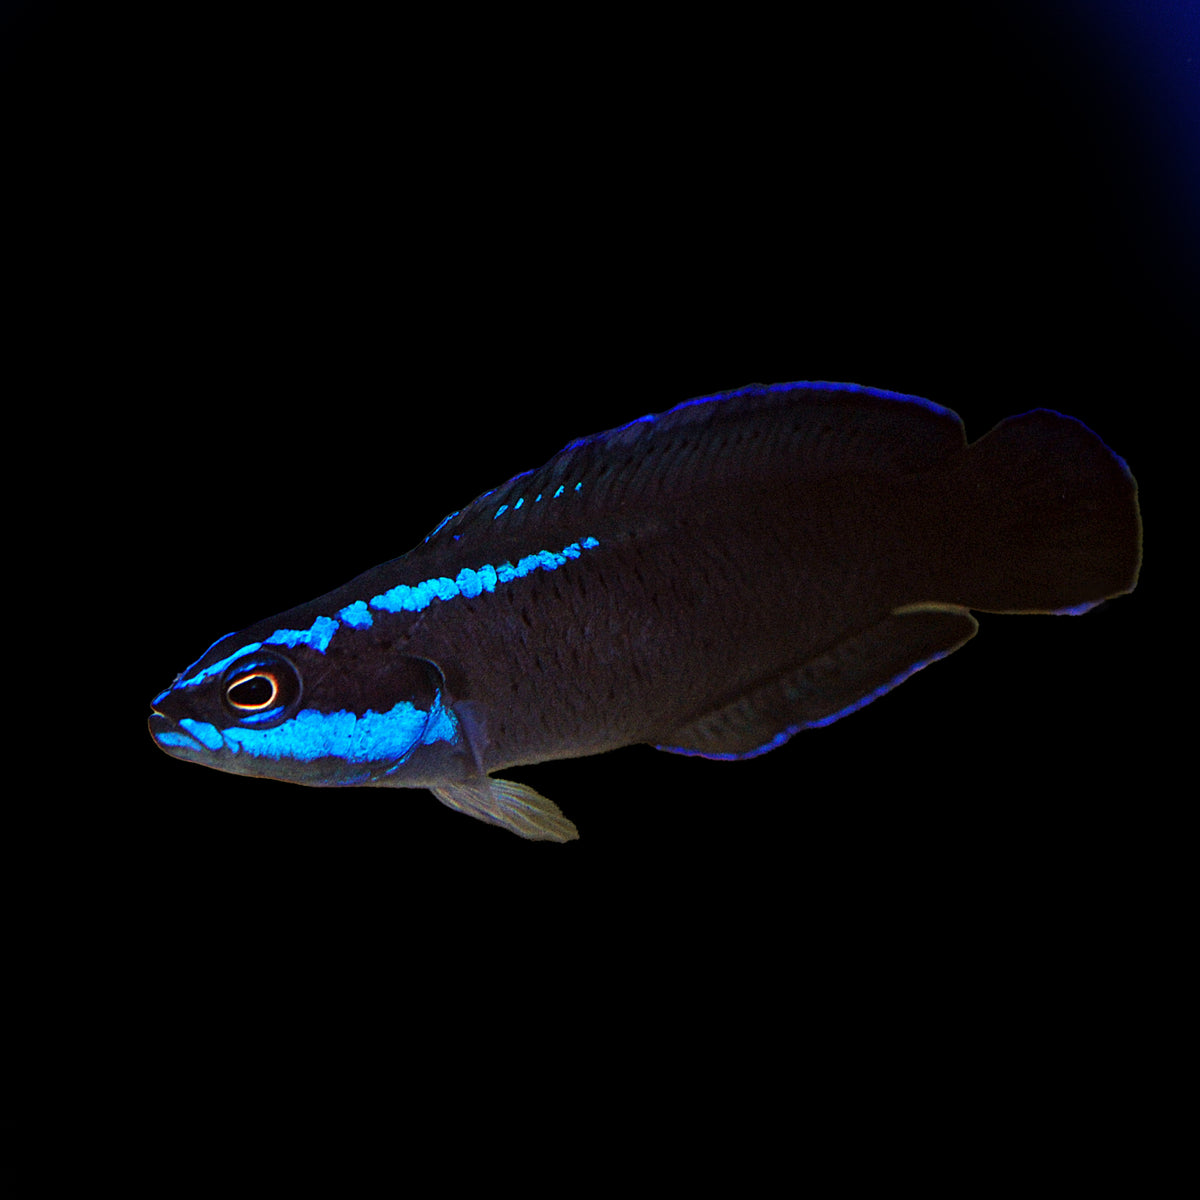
x,y
303,282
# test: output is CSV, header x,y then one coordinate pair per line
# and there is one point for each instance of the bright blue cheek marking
x,y
206,734
443,727
176,739
370,738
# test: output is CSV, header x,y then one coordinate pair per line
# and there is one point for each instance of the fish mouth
x,y
180,742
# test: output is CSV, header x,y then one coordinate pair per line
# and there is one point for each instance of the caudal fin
x,y
1050,519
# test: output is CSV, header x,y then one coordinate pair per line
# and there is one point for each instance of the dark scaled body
x,y
710,581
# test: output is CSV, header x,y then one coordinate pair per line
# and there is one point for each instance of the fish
x,y
710,580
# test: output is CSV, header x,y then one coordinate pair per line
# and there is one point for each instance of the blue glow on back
x,y
357,615
471,583
847,387
519,503
441,525
406,598
318,635
468,583
755,389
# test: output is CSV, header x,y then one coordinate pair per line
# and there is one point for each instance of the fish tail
x,y
1050,519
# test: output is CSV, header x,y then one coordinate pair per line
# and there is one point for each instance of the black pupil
x,y
252,692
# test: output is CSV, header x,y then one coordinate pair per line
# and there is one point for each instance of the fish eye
x,y
253,693
261,688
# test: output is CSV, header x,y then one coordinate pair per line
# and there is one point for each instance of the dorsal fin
x,y
814,429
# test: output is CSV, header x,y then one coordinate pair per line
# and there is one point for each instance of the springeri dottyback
x,y
710,580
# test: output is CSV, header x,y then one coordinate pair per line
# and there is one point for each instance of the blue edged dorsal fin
x,y
817,428
511,805
817,692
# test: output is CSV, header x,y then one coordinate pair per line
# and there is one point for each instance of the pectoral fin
x,y
511,805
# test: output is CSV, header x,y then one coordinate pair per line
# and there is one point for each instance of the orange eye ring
x,y
258,704
261,689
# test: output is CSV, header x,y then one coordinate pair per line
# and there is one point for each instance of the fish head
x,y
322,715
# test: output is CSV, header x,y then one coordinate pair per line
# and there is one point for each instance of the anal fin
x,y
511,805
817,692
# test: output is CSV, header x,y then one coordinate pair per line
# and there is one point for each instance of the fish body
x,y
709,580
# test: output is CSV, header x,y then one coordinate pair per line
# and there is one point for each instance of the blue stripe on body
x,y
318,636
518,504
218,667
356,615
367,738
468,583
403,598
